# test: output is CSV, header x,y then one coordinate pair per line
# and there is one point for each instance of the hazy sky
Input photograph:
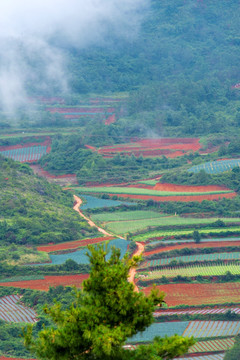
x,y
27,28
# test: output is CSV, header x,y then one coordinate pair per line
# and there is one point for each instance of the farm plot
x,y
73,244
204,311
170,147
127,215
10,311
216,167
25,154
101,112
192,246
199,294
44,284
123,227
94,202
193,271
81,257
163,233
147,192
191,258
160,329
212,345
201,329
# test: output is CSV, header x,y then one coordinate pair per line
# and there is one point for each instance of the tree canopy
x,y
105,313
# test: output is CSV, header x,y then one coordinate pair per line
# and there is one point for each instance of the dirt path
x,y
132,272
78,203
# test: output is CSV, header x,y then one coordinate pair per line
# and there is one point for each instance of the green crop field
x,y
158,233
192,258
216,167
126,215
192,271
123,227
139,191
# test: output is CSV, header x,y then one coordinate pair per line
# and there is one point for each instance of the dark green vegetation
x,y
34,211
233,353
104,315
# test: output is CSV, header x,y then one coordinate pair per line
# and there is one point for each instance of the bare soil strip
x,y
132,272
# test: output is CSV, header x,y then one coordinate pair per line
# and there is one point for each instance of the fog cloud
x,y
33,32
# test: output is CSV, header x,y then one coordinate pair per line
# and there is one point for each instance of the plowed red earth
x,y
73,244
184,198
188,188
198,294
38,170
44,284
193,246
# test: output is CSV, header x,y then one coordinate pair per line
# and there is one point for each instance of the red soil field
x,y
38,170
186,188
210,244
154,147
198,294
72,244
44,284
185,198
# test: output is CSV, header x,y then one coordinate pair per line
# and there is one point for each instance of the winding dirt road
x,y
78,203
140,249
132,272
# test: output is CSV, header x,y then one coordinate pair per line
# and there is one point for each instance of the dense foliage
x,y
34,211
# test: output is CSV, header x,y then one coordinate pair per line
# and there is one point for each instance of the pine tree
x,y
106,312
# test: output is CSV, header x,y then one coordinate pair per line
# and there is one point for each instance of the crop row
x,y
199,294
10,311
216,167
204,311
192,246
192,258
142,191
212,345
201,329
193,271
25,154
163,233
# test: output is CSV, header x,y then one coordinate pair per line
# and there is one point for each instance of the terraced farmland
x,y
216,167
192,258
193,311
10,311
192,246
133,224
199,294
148,192
201,329
170,147
193,271
212,345
25,154
47,281
173,233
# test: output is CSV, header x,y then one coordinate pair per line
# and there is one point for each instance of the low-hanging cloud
x,y
33,33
